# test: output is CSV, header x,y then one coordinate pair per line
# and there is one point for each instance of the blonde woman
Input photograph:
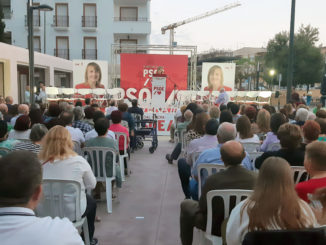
x,y
61,162
274,205
215,79
263,121
93,76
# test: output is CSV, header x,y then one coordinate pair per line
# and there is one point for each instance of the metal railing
x,y
89,54
61,21
36,20
62,53
140,19
89,21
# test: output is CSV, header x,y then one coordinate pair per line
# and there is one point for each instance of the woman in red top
x,y
116,117
93,76
215,79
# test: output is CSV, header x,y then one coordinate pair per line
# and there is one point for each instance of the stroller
x,y
145,130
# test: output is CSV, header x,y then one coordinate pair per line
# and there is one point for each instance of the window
x,y
61,18
128,13
89,18
62,47
37,43
36,16
128,42
90,48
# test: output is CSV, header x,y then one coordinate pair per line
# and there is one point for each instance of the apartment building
x,y
79,29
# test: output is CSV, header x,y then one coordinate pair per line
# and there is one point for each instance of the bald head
x,y
232,153
9,100
23,109
188,115
3,109
226,132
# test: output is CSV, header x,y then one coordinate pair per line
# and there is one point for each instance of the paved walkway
x,y
147,212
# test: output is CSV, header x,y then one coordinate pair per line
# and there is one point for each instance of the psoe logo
x,y
158,89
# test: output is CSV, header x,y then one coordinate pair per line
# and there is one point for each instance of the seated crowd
x,y
257,149
38,143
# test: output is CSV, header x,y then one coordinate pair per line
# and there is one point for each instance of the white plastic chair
x,y
61,198
194,156
298,172
83,92
70,92
241,97
77,148
210,169
125,155
251,147
52,94
274,147
264,97
97,164
226,196
183,139
99,94
251,97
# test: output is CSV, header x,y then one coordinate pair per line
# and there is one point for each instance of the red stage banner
x,y
137,71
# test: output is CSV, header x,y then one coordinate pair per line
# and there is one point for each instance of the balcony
x,y
132,25
62,53
36,22
89,23
61,22
89,54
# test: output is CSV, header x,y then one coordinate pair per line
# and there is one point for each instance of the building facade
x,y
79,29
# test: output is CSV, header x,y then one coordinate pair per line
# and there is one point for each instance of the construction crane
x,y
173,26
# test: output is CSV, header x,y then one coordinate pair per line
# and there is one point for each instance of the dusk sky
x,y
250,25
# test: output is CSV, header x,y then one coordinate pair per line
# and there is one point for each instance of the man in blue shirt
x,y
225,133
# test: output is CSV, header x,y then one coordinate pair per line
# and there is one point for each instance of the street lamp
x,y
272,73
30,9
291,55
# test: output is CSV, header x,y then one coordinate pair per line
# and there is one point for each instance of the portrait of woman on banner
x,y
215,79
93,76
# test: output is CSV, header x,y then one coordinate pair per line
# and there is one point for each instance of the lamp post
x,y
272,73
30,9
291,55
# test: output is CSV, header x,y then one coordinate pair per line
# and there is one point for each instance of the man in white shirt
x,y
42,95
20,193
92,134
77,135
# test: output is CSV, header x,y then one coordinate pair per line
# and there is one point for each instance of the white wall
x,y
12,56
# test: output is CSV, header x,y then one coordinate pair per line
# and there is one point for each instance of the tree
x,y
308,60
2,25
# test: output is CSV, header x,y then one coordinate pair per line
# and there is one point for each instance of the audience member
x,y
92,134
76,134
61,162
194,214
78,103
223,107
322,124
321,114
276,121
290,139
38,132
311,131
226,116
22,110
199,127
134,109
263,121
20,193
4,111
214,113
87,102
181,126
251,113
315,165
102,126
178,118
89,114
235,110
116,117
244,130
78,120
36,116
21,129
274,205
208,141
53,112
4,141
301,116
9,101
112,107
